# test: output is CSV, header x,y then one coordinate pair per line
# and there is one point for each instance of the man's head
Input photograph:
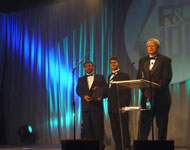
x,y
88,66
114,63
153,45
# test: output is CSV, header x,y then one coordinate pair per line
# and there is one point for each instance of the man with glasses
x,y
156,68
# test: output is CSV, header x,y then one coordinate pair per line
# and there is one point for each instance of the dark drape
x,y
2,56
42,47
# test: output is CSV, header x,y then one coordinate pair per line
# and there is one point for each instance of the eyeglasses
x,y
151,46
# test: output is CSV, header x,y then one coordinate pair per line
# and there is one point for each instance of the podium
x,y
153,145
139,83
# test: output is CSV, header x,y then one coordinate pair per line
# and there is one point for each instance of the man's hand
x,y
99,98
87,98
147,94
123,110
94,88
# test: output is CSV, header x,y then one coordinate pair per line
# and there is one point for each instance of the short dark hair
x,y
114,58
87,62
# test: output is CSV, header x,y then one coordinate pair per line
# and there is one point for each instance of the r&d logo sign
x,y
169,22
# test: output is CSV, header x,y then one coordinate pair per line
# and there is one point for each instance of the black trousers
x,y
93,123
146,117
116,130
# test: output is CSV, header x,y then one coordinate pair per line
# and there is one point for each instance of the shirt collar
x,y
90,74
115,71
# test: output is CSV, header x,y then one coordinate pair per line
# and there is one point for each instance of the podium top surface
x,y
140,83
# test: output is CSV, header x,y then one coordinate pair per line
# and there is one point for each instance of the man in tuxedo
x,y
155,68
90,88
117,98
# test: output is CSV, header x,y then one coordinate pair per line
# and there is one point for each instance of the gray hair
x,y
155,41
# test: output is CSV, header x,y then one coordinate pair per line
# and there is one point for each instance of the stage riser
x,y
80,145
153,145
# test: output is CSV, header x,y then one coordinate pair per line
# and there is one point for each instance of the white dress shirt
x,y
90,80
113,74
152,61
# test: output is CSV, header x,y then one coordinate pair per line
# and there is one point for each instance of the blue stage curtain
x,y
43,46
39,47
2,56
2,43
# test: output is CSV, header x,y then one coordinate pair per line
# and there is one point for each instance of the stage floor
x,y
53,147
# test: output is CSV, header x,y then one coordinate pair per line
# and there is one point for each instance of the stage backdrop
x,y
41,46
169,21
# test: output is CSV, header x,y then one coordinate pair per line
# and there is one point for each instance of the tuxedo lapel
x,y
146,67
85,81
156,64
115,78
109,78
94,82
154,68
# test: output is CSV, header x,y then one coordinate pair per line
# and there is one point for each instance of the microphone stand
x,y
120,119
151,104
73,73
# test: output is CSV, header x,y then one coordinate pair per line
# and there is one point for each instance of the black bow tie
x,y
152,58
114,73
90,74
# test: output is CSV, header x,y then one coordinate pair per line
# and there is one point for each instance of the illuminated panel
x,y
13,38
77,98
85,50
134,95
92,39
109,51
33,45
139,99
39,56
103,40
67,76
177,89
26,47
188,89
80,50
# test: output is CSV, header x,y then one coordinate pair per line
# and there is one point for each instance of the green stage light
x,y
30,129
27,136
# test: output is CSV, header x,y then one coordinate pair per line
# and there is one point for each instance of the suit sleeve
x,y
79,89
125,92
106,89
103,81
139,72
104,85
166,74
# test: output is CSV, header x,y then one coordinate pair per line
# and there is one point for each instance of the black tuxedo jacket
x,y
161,73
124,93
82,90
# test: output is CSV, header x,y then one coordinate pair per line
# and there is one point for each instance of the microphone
x,y
142,74
132,64
80,61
